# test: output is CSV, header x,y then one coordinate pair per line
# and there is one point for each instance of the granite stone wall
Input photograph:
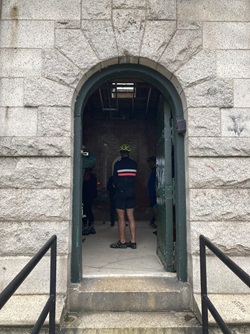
x,y
47,51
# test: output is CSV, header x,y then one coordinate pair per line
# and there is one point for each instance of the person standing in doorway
x,y
89,193
88,158
152,190
125,171
111,191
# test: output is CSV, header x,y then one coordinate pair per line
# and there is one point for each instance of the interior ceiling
x,y
123,99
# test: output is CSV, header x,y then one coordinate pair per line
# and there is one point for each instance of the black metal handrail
x,y
50,305
205,301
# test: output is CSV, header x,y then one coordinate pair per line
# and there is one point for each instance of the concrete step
x,y
137,294
131,323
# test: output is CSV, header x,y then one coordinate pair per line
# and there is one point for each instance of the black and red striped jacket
x,y
125,171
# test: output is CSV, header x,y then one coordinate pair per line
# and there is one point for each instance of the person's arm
x,y
115,175
109,184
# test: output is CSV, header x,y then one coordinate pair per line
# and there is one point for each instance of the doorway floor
x,y
101,260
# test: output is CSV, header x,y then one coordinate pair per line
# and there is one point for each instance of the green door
x,y
165,244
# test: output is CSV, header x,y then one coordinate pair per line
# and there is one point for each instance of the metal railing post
x,y
203,273
52,314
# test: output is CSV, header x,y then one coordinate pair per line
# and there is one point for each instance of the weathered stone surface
x,y
156,37
152,64
162,9
101,36
129,28
192,73
233,308
233,64
242,93
21,313
20,63
54,122
128,4
11,92
39,10
35,204
189,24
68,24
35,173
235,122
58,68
21,330
203,122
16,237
219,204
177,86
27,34
75,46
226,35
184,102
128,59
212,93
18,122
232,238
182,47
43,92
213,10
221,147
35,146
219,172
96,10
220,279
38,280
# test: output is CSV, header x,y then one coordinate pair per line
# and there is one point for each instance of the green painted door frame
x,y
170,94
165,193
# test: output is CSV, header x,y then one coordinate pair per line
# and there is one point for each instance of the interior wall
x,y
103,138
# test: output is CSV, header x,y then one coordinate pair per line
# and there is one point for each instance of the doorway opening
x,y
138,106
123,110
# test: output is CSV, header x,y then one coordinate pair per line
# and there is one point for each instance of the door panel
x,y
164,186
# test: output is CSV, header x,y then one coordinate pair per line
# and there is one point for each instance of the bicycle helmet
x,y
125,147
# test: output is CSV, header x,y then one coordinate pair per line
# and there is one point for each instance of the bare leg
x,y
121,224
132,225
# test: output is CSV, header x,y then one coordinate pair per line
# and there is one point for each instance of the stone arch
x,y
169,91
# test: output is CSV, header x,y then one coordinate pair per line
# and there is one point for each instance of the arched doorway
x,y
172,120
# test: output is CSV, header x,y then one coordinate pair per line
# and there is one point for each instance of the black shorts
x,y
125,198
